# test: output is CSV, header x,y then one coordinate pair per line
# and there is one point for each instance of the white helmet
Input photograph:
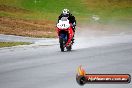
x,y
65,11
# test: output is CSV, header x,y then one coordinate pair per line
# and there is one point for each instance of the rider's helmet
x,y
65,12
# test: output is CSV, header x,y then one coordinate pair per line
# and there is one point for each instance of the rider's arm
x,y
59,17
74,20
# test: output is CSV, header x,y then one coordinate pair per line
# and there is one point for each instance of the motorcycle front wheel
x,y
61,44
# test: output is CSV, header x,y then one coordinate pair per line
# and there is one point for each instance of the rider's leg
x,y
74,34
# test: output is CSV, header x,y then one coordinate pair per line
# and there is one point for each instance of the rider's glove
x,y
74,24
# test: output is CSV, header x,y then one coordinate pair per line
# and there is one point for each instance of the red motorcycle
x,y
65,33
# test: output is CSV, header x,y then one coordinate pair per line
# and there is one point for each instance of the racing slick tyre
x,y
61,44
69,48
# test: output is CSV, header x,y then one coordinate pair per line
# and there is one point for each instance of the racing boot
x,y
73,39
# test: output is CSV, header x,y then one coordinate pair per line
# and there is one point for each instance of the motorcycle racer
x,y
70,17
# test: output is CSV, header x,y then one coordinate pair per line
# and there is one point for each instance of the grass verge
x,y
37,18
31,28
9,44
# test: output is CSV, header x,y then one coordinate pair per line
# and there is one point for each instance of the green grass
x,y
107,10
9,44
46,9
82,9
54,7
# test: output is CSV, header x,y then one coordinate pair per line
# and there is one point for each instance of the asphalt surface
x,y
13,38
46,67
